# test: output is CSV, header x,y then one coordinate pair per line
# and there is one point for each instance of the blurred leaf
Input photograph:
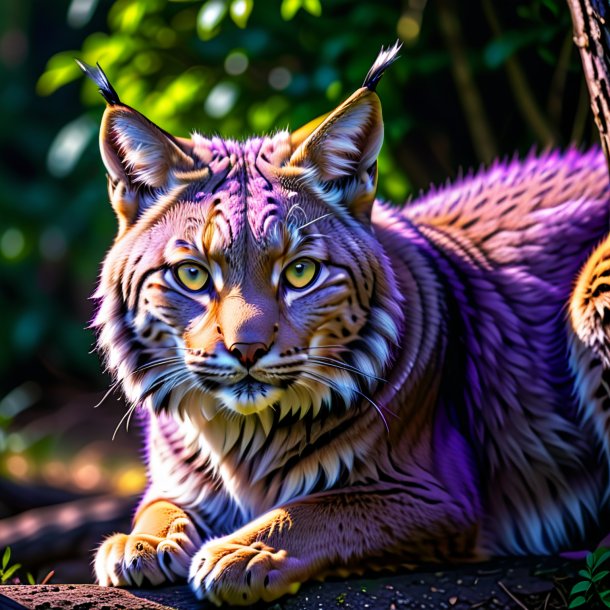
x,y
61,69
6,557
126,15
600,555
500,49
221,99
314,7
552,6
210,17
333,91
108,50
289,8
69,145
263,116
240,11
6,574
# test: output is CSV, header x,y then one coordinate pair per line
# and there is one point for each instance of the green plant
x,y
7,571
592,588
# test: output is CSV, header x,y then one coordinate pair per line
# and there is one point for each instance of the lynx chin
x,y
330,382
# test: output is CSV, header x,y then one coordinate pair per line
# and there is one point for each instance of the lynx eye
x,y
301,273
191,276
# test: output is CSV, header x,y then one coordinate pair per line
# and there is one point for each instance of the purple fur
x,y
446,402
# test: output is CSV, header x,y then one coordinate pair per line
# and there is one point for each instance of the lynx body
x,y
331,382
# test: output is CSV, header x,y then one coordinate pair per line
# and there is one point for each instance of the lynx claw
x,y
128,560
237,574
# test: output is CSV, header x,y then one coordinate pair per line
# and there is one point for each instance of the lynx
x,y
331,382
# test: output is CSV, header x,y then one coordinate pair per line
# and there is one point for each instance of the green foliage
x,y
592,588
233,67
7,571
290,8
502,48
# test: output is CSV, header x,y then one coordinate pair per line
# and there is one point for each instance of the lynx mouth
x,y
249,396
251,387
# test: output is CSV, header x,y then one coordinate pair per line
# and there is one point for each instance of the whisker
x,y
333,384
378,409
129,420
167,384
159,382
292,209
149,365
344,366
174,378
328,361
111,389
314,220
126,415
323,379
303,349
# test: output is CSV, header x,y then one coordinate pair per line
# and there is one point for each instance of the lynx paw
x,y
237,574
126,560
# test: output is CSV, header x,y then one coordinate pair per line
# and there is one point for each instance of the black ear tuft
x,y
96,74
384,59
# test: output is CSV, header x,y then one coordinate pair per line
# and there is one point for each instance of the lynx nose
x,y
248,353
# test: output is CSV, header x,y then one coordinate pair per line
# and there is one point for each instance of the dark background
x,y
476,80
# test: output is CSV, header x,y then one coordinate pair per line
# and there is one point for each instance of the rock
x,y
72,597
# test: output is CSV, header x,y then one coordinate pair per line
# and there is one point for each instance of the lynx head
x,y
245,279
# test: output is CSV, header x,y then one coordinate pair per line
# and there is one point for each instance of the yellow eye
x,y
191,276
301,273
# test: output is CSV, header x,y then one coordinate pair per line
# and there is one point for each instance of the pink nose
x,y
248,353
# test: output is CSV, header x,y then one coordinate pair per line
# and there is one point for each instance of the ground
x,y
531,583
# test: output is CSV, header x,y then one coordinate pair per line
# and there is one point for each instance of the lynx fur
x,y
330,382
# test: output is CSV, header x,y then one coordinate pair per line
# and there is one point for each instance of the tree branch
x,y
592,37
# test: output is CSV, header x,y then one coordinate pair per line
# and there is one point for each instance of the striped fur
x,y
424,399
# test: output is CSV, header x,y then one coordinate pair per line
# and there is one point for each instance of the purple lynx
x,y
332,383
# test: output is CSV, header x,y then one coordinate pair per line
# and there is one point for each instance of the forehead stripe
x,y
218,226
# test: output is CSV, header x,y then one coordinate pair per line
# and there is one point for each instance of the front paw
x,y
127,560
224,571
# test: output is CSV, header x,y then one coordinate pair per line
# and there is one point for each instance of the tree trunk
x,y
592,37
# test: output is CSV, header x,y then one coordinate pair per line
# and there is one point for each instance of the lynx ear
x,y
138,152
300,135
335,156
135,151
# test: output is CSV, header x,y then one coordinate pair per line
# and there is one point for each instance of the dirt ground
x,y
531,583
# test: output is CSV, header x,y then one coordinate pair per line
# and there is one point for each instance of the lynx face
x,y
246,278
